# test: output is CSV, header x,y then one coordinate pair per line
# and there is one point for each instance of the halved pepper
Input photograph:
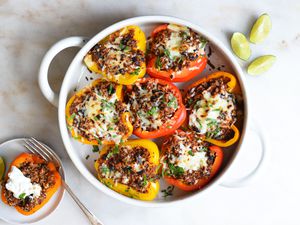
x,y
216,150
186,73
124,117
173,123
26,157
232,87
127,78
152,186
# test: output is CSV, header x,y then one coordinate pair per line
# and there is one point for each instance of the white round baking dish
x,y
74,79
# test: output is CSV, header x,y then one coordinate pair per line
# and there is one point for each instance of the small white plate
x,y
9,150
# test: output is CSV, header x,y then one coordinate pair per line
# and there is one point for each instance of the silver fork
x,y
37,147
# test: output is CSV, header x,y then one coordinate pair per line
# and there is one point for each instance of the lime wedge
x,y
261,64
240,46
261,29
2,168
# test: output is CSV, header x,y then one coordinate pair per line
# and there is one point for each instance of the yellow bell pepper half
x,y
127,78
125,117
152,188
232,87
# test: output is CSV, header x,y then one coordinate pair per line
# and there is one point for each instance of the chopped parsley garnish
x,y
95,148
191,152
172,102
136,71
123,47
72,116
175,170
153,111
158,64
144,182
199,122
110,89
217,110
22,196
104,169
115,150
203,43
98,140
87,157
167,53
168,191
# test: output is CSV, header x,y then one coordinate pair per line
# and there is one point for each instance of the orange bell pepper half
x,y
174,123
202,182
26,157
232,87
195,67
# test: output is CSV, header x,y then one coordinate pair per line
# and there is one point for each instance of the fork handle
x,y
91,217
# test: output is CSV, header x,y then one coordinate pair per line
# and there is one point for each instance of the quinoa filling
x,y
38,174
152,105
187,158
129,166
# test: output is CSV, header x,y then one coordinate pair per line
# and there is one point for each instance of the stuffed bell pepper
x,y
212,108
120,57
130,168
96,114
30,183
188,162
156,107
176,53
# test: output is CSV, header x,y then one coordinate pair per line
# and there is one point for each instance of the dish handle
x,y
47,91
261,165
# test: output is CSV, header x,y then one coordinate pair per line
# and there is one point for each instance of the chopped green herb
x,y
96,118
158,64
72,117
104,169
175,170
98,140
203,43
199,122
152,111
95,148
22,196
115,150
144,182
110,89
136,71
191,152
173,102
87,157
167,53
123,47
168,191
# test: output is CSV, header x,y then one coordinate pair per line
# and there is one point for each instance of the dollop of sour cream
x,y
21,186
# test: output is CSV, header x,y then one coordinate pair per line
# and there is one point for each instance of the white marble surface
x,y
29,28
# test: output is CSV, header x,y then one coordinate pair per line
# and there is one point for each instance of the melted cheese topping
x,y
187,160
209,112
102,113
176,40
